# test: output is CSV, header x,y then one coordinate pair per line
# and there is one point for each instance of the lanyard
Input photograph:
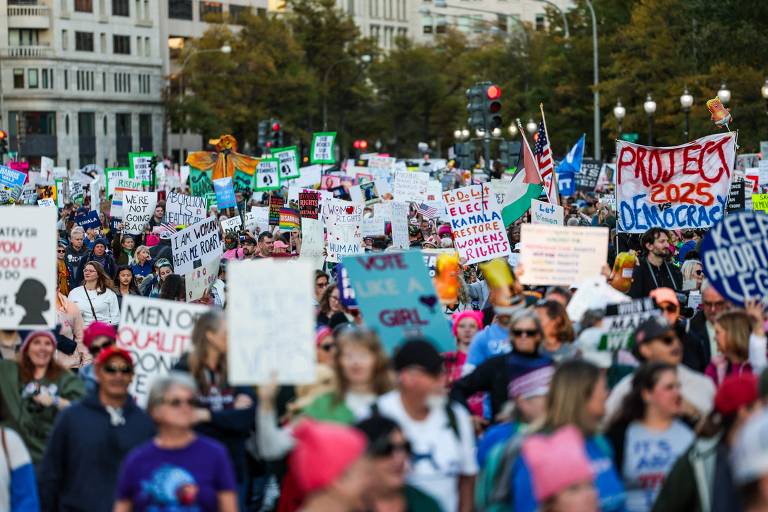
x,y
653,275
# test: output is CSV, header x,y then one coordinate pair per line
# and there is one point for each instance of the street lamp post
x,y
619,112
686,102
365,59
595,80
650,108
764,93
512,130
531,126
724,94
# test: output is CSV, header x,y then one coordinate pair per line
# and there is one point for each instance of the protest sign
x,y
231,224
310,176
397,298
673,188
61,191
346,291
76,192
46,169
289,162
28,193
277,335
196,245
343,220
760,202
322,148
478,230
27,267
200,280
156,333
94,192
566,183
141,167
88,220
138,208
267,175
621,321
112,174
200,183
547,213
312,243
372,227
370,192
589,173
46,202
309,204
410,186
183,210
762,173
121,185
46,192
746,161
241,181
11,183
257,220
430,259
736,197
735,256
275,203
225,192
399,219
289,219
561,256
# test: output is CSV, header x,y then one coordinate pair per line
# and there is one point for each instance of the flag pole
x,y
552,155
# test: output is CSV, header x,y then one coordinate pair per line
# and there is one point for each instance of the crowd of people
x,y
525,414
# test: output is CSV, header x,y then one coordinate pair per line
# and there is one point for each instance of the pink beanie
x,y
556,462
36,334
458,316
323,452
322,333
97,329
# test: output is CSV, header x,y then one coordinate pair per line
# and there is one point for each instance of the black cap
x,y
652,328
421,353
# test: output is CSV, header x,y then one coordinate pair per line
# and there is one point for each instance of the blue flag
x,y
572,161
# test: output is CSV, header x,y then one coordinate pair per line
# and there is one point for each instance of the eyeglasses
x,y
321,284
519,333
333,297
669,308
388,448
328,346
95,349
112,370
178,402
62,251
714,305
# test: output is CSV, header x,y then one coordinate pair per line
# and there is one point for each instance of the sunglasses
x,y
321,285
388,448
178,402
667,340
698,272
61,250
328,346
95,349
519,333
112,370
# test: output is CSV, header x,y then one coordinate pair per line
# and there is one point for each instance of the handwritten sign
x,y
196,245
267,176
141,167
232,224
561,256
410,186
257,220
547,213
309,204
200,280
183,210
322,148
277,335
312,243
478,230
138,208
400,239
156,332
760,202
121,185
693,178
225,192
397,298
289,162
111,176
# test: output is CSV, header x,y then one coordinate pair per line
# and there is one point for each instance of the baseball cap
x,y
113,351
97,329
419,352
654,327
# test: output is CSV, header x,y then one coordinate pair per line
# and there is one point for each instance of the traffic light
x,y
465,155
263,128
476,120
276,133
3,142
492,107
362,145
509,153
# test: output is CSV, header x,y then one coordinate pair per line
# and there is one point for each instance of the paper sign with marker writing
x,y
289,162
547,213
200,280
257,220
183,210
372,227
277,336
141,167
478,229
410,186
138,208
112,175
322,148
397,298
156,332
232,224
121,186
561,256
196,245
400,238
312,242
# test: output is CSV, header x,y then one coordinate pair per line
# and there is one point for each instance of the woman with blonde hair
x,y
142,263
740,338
693,275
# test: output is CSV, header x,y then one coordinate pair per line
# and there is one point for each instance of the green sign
x,y
630,137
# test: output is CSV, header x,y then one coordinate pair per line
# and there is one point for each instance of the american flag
x,y
426,210
546,165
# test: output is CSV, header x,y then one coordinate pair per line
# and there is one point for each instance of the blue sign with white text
x,y
225,193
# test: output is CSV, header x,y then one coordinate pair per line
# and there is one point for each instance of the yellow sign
x,y
760,202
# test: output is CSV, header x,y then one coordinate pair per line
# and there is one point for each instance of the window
x,y
122,82
440,24
103,42
147,48
540,25
66,79
84,80
145,132
144,84
180,9
104,124
84,41
104,81
120,8
32,76
236,12
47,83
86,124
66,124
33,123
64,39
22,37
121,44
210,11
18,78
84,5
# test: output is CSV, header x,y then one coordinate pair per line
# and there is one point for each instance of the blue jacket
x,y
81,464
493,340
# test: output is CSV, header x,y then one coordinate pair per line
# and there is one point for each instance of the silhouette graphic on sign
x,y
31,296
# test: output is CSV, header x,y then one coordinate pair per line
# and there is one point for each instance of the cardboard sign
x,y
11,184
121,185
322,148
397,298
225,192
88,220
196,245
547,213
589,173
183,210
275,203
277,336
561,256
289,162
309,204
735,256
200,280
27,267
410,186
156,332
621,321
478,230
312,243
673,188
399,219
232,224
141,167
267,175
138,208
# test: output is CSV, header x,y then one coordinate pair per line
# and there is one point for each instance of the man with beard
x,y
654,271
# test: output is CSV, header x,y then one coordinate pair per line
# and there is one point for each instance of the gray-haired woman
x,y
178,467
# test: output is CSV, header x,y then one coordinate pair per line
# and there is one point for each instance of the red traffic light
x,y
268,144
356,144
3,134
363,144
493,92
275,127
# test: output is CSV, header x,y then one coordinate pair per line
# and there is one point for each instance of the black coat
x,y
698,327
647,277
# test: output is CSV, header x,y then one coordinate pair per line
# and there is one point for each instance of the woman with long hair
x,y
693,275
34,389
647,435
96,298
179,465
142,263
123,249
173,288
330,303
125,283
558,331
740,337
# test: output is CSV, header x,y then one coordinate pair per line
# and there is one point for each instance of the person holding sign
x,y
655,271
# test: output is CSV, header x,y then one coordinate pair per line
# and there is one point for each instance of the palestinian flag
x,y
526,185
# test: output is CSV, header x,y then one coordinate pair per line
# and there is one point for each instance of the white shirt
x,y
439,457
104,304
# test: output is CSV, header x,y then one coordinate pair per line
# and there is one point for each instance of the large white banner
x,y
196,245
27,267
676,187
271,322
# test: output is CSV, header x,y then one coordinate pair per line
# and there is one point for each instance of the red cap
x,y
113,351
735,392
97,329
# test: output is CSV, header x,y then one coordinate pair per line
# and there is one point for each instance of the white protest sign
x,y
277,335
138,208
112,175
196,245
257,220
27,267
310,176
411,186
561,256
201,279
156,332
46,169
95,193
183,210
121,185
547,213
344,240
231,224
400,225
478,230
289,162
322,148
434,190
312,242
46,202
372,226
383,211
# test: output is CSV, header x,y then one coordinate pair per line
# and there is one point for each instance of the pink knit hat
x,y
557,461
458,316
323,452
97,329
